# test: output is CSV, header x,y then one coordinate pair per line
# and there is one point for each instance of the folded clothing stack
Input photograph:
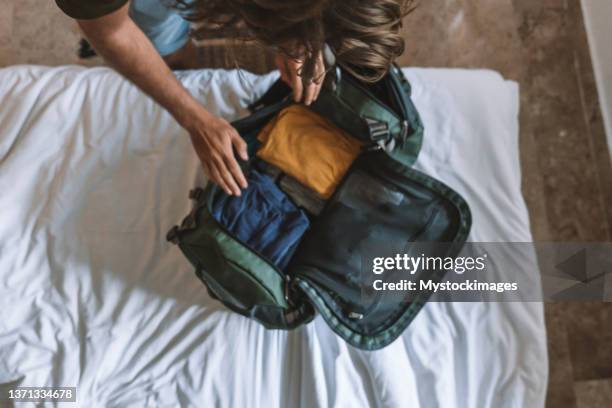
x,y
264,218
309,148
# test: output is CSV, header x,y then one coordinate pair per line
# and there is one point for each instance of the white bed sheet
x,y
92,175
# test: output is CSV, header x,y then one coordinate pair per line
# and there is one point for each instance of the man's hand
x,y
124,45
290,73
214,140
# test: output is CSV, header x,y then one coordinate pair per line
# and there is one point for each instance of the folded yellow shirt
x,y
309,148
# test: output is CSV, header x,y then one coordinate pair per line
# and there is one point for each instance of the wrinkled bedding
x,y
92,175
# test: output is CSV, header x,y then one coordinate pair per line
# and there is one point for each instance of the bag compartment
x,y
380,204
325,271
242,279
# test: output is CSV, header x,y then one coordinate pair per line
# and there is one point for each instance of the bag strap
x,y
355,109
174,235
277,92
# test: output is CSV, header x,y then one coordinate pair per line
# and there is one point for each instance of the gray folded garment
x,y
302,196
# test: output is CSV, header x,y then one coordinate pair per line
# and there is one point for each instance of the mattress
x,y
92,175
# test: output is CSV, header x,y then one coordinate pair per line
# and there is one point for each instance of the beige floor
x,y
567,180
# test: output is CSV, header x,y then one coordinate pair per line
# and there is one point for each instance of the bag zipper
x,y
395,88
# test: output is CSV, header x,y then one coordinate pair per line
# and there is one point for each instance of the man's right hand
x,y
124,45
214,140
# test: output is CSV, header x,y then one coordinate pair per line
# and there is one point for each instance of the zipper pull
x,y
287,288
355,316
373,147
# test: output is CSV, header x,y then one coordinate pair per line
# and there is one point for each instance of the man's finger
x,y
285,77
227,177
317,92
310,93
319,76
231,164
216,178
236,172
240,146
296,80
281,64
198,142
207,171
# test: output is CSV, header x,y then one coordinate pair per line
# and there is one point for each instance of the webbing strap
x,y
277,92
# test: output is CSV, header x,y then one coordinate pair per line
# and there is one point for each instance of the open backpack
x,y
381,202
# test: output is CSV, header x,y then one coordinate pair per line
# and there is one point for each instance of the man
x,y
142,39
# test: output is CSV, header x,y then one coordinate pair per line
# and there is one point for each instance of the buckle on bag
x,y
379,131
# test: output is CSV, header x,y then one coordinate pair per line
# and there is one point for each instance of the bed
x,y
92,175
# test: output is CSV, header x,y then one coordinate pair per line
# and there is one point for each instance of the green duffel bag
x,y
381,204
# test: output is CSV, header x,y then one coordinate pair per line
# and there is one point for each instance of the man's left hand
x,y
290,73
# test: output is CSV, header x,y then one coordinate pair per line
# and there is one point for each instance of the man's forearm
x,y
125,46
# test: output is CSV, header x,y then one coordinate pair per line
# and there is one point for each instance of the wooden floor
x,y
567,179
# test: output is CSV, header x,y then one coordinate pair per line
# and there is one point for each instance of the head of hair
x,y
363,34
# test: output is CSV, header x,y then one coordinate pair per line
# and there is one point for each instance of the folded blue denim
x,y
264,218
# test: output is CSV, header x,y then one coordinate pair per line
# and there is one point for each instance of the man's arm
x,y
117,38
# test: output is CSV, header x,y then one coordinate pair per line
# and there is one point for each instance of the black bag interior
x,y
379,209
